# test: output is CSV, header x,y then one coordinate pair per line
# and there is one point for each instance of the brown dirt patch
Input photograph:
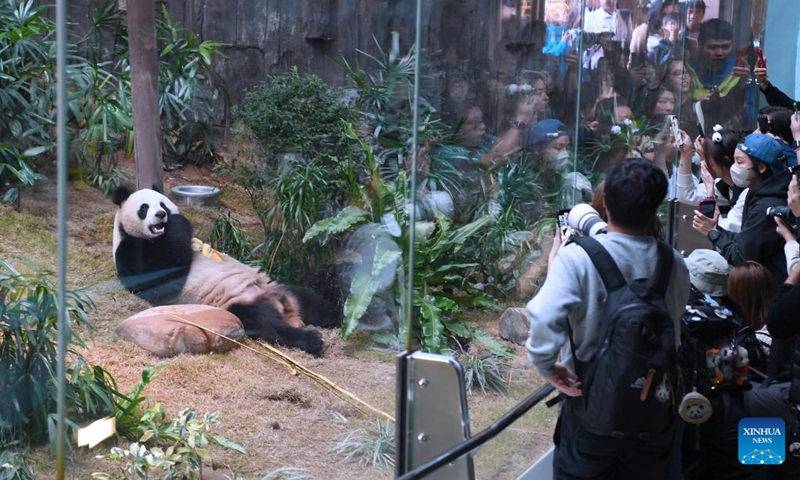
x,y
282,419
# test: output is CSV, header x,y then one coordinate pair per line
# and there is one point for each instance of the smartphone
x,y
700,130
742,54
795,169
707,206
763,124
562,219
675,130
761,62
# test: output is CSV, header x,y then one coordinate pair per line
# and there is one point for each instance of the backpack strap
x,y
664,268
612,276
603,263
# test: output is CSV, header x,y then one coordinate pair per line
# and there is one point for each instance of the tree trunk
x,y
144,93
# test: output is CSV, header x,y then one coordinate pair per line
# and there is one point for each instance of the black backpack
x,y
711,355
629,387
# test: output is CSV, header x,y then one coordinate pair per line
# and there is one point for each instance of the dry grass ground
x,y
282,419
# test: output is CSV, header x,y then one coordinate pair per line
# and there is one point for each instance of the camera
x,y
784,213
585,219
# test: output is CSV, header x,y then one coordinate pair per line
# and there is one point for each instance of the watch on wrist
x,y
796,144
520,125
714,235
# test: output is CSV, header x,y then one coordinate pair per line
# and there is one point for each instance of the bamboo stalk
x,y
280,357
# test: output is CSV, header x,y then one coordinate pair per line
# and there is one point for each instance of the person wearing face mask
x,y
716,153
760,165
549,141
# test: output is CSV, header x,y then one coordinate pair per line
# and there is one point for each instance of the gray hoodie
x,y
574,291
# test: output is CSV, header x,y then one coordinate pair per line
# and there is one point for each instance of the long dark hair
x,y
721,153
751,288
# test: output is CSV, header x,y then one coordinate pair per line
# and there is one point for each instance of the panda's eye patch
x,y
142,213
165,207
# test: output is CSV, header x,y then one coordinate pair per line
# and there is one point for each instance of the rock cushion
x,y
164,331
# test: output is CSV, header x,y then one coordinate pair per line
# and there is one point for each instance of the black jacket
x,y
777,98
783,326
758,241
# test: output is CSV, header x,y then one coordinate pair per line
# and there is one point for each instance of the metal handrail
x,y
478,440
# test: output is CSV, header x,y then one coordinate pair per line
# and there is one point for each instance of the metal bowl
x,y
198,195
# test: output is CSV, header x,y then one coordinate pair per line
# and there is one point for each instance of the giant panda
x,y
152,249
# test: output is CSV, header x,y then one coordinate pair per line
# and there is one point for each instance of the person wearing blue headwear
x,y
760,164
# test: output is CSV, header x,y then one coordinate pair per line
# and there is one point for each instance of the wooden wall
x,y
462,37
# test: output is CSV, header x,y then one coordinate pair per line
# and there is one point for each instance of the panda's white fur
x,y
154,259
147,227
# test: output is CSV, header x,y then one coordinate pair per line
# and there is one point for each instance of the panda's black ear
x,y
120,195
156,189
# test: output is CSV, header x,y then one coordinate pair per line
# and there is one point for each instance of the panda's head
x,y
142,214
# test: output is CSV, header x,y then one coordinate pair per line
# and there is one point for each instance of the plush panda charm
x,y
695,408
663,391
155,260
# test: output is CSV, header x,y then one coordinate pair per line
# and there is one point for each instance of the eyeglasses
x,y
721,46
473,122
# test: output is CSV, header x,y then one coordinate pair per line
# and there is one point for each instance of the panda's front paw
x,y
312,342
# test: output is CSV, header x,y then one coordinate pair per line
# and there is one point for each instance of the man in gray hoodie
x,y
573,295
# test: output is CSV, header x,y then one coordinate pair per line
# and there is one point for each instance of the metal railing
x,y
481,438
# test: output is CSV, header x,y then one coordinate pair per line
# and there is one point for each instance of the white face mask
x,y
557,161
740,176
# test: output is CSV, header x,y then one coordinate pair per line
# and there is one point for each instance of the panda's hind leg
x,y
262,320
315,310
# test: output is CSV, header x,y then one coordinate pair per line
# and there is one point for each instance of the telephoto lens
x,y
585,219
780,211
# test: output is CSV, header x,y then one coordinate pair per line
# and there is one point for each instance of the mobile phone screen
x,y
763,124
701,131
707,207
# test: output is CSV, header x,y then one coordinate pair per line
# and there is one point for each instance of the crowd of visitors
x,y
667,109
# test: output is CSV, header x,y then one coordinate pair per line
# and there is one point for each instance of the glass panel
x,y
523,105
541,98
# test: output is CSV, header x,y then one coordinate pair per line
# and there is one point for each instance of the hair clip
x,y
513,88
717,136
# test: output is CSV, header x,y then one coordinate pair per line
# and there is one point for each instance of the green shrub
x,y
442,282
308,169
173,449
297,113
374,446
26,89
228,236
28,358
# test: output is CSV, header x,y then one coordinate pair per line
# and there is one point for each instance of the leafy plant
x,y
375,446
14,465
488,373
188,93
175,449
385,97
107,183
441,283
228,236
297,113
306,171
26,76
28,355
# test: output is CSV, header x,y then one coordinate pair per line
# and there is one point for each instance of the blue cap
x,y
765,149
546,130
